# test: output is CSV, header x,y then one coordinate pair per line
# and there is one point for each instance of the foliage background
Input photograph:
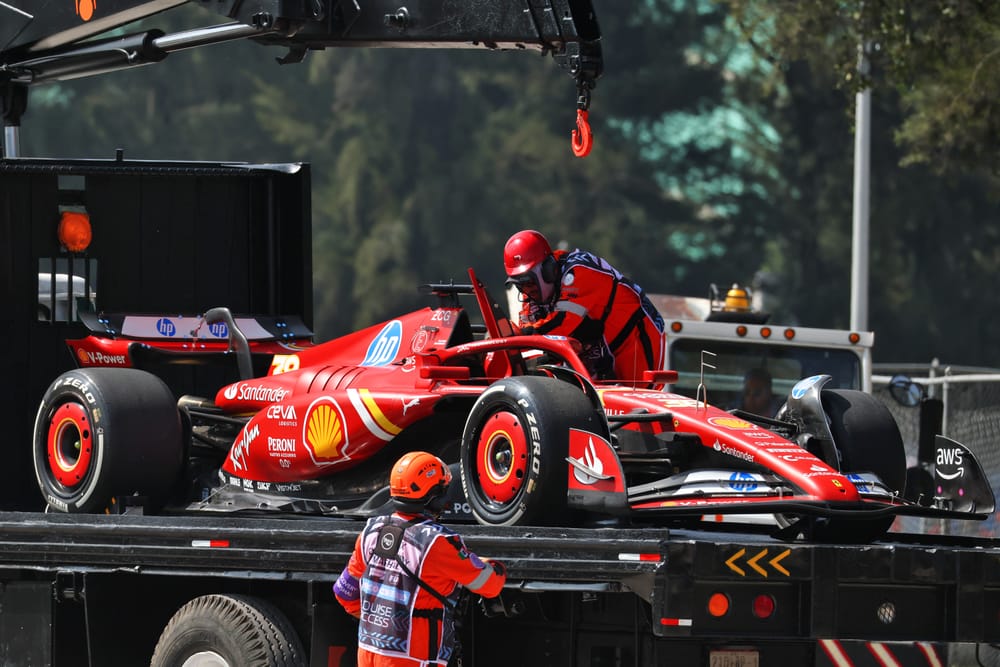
x,y
723,153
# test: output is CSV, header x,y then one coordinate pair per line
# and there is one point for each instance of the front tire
x,y
104,432
228,631
867,440
514,449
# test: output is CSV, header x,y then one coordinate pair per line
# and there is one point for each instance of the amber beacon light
x,y
74,231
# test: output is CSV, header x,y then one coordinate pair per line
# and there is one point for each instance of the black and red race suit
x,y
619,328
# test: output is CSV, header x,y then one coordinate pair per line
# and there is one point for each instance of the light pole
x,y
860,218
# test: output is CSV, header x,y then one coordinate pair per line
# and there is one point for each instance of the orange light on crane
x,y
74,231
854,338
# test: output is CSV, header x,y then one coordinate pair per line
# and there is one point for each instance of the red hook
x,y
583,138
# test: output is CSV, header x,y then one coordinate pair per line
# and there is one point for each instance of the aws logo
x,y
323,432
85,8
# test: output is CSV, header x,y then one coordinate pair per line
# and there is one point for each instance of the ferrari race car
x,y
535,441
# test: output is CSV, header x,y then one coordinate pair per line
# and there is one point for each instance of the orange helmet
x,y
418,477
524,251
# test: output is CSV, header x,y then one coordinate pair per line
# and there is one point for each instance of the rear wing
x,y
142,341
178,328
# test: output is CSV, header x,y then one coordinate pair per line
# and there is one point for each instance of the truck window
x,y
66,287
785,364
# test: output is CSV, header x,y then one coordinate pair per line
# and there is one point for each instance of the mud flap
x,y
596,479
959,482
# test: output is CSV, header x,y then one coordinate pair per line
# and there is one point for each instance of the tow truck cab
x,y
717,341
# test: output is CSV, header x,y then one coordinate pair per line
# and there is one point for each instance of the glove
x,y
499,568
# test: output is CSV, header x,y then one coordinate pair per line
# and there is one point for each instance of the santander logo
x,y
257,393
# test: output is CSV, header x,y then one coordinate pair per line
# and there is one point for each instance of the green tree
x,y
931,245
687,99
941,56
433,159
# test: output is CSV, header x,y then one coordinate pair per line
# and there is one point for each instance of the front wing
x,y
597,482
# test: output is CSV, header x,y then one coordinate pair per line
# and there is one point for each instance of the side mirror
x,y
660,377
905,391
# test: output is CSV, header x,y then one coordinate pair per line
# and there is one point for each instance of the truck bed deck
x,y
914,587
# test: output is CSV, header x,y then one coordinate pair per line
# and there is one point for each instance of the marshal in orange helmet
x,y
417,479
407,571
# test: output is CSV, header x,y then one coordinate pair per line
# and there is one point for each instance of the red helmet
x,y
418,478
524,251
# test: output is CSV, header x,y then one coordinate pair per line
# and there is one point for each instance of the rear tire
x,y
868,440
106,432
228,631
514,450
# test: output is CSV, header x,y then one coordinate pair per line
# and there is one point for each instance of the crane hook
x,y
583,138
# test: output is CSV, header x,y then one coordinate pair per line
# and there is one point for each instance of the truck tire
x,y
514,450
106,432
228,631
868,440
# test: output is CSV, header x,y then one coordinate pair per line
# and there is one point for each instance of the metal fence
x,y
971,398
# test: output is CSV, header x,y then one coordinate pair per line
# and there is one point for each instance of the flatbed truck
x,y
79,589
99,590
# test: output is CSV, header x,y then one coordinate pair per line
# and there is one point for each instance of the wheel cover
x,y
70,444
206,659
502,458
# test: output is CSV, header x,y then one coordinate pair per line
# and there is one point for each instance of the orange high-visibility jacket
x,y
401,622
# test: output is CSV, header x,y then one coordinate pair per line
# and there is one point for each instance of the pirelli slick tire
x,y
228,631
514,450
106,432
867,440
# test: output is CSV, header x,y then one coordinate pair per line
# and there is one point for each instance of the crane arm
x,y
51,40
44,40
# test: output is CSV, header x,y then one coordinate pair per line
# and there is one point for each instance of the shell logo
x,y
324,431
730,422
81,354
85,9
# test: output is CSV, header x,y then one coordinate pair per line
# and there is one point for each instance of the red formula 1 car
x,y
536,441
